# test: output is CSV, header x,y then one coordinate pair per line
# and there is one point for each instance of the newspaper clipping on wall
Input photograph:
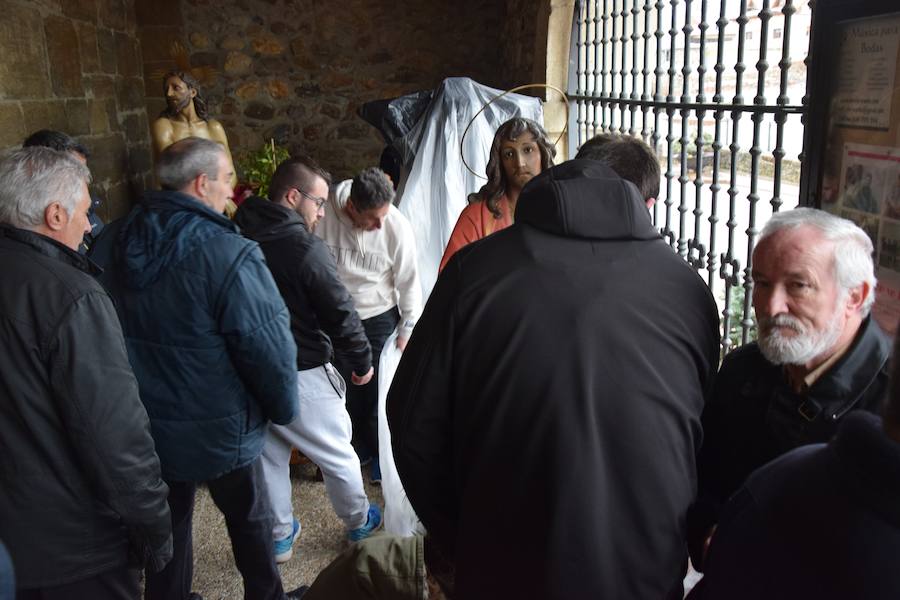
x,y
861,181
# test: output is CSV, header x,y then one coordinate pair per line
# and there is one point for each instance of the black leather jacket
x,y
754,417
80,486
324,320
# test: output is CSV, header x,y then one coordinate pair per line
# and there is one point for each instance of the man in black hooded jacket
x,y
546,413
323,321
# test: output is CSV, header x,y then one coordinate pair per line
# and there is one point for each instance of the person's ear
x,y
200,185
650,202
55,216
857,296
193,92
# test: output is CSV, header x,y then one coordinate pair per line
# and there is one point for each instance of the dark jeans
x,y
362,400
118,584
242,497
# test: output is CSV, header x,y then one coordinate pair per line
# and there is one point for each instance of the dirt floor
x,y
321,539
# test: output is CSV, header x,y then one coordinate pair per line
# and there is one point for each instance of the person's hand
x,y
401,343
362,379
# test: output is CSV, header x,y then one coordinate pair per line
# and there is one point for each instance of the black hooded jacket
x,y
821,522
546,413
323,319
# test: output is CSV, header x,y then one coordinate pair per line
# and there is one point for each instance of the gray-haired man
x,y
819,356
83,505
208,335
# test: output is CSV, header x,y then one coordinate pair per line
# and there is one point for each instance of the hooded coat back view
x,y
546,413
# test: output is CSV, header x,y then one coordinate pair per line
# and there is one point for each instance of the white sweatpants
x,y
322,432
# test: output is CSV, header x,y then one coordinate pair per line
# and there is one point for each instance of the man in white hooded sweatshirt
x,y
375,251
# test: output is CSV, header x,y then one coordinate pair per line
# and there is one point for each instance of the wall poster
x,y
861,175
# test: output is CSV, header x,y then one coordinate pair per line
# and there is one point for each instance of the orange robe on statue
x,y
474,223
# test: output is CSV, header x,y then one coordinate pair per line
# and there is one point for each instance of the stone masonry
x,y
296,71
75,66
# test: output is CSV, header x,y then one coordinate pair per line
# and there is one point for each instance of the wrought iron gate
x,y
674,73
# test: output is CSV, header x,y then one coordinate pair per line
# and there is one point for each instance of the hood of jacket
x,y
263,220
161,231
585,199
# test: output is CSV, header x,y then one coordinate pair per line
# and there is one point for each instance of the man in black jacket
x,y
819,356
546,413
324,322
819,522
83,504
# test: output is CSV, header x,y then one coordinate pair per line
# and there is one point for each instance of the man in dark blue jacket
x,y
209,338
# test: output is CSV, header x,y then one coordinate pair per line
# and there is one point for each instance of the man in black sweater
x,y
324,322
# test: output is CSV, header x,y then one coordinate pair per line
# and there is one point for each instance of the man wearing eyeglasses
x,y
325,326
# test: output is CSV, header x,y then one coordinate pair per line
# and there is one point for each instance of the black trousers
x,y
362,400
242,497
118,584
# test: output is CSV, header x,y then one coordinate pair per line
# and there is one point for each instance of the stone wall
x,y
520,33
75,66
297,70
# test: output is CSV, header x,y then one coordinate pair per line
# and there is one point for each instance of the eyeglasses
x,y
320,202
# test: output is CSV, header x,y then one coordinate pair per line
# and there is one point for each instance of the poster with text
x,y
867,68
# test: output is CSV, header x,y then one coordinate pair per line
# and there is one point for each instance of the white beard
x,y
799,349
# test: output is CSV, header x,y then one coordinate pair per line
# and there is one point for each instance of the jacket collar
x,y
174,200
857,368
50,247
264,220
585,199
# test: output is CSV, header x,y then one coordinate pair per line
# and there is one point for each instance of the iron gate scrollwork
x,y
642,67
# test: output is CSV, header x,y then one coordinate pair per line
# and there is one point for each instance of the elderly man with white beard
x,y
819,356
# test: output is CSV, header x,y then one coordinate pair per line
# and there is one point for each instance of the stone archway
x,y
554,33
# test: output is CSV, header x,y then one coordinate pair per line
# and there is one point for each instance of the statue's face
x,y
178,94
521,159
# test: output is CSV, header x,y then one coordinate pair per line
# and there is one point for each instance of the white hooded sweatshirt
x,y
378,267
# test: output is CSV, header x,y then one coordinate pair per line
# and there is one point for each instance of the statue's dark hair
x,y
199,102
491,192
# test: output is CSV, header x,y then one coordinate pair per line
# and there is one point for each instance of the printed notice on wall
x,y
869,195
867,68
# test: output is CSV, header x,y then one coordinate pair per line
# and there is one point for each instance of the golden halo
x,y
510,91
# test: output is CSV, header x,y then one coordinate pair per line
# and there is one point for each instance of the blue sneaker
x,y
375,473
373,522
284,548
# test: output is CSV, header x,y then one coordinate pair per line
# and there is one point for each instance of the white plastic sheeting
x,y
399,516
437,183
432,195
